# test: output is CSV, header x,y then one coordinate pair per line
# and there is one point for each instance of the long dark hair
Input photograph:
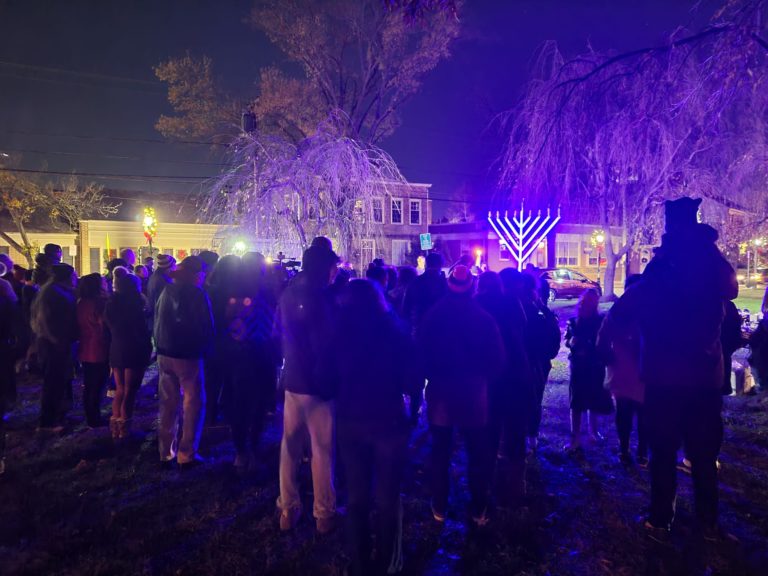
x,y
91,286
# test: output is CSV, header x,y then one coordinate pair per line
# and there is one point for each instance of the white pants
x,y
301,414
180,377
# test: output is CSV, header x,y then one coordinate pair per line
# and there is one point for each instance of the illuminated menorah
x,y
522,234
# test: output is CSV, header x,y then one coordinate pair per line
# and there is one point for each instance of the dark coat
x,y
587,390
53,314
463,353
130,340
183,322
423,293
157,282
680,321
304,327
375,364
94,336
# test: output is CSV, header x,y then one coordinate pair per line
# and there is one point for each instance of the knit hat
x,y
460,280
193,265
681,214
165,261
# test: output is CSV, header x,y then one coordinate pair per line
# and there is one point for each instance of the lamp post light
x,y
150,226
598,239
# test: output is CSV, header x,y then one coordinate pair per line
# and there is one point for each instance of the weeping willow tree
x,y
287,193
614,135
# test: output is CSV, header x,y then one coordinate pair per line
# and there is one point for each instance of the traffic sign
x,y
426,241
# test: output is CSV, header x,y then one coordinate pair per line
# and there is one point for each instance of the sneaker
x,y
110,393
716,534
325,525
656,533
685,466
289,519
642,461
437,514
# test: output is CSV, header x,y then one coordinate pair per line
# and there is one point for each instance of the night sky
x,y
77,92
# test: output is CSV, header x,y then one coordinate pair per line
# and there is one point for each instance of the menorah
x,y
522,234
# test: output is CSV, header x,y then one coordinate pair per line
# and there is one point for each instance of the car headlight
x,y
740,277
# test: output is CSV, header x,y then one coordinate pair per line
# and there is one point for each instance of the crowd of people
x,y
351,357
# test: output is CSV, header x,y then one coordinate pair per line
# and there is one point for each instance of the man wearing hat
x,y
304,324
463,352
682,360
183,333
54,322
159,279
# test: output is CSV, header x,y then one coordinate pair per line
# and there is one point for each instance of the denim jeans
x,y
373,463
625,414
304,414
179,376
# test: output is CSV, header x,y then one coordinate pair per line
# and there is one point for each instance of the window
x,y
358,211
397,211
561,275
96,264
415,210
567,252
377,211
400,250
504,254
367,250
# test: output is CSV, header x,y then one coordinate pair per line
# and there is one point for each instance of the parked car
x,y
566,283
759,276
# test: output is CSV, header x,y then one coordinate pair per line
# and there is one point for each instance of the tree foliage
x,y
202,110
65,204
614,135
289,193
360,57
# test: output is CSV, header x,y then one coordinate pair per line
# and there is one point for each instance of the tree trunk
x,y
610,275
25,250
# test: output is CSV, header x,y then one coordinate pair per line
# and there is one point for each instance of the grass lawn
x,y
750,298
77,504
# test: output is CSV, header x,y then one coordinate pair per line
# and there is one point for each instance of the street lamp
x,y
598,239
150,226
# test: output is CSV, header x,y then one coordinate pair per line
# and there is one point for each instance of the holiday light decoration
x,y
150,225
524,233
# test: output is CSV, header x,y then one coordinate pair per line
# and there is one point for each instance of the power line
x,y
108,176
116,138
111,156
88,75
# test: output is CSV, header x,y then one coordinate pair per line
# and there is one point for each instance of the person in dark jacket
x,y
159,279
10,313
586,386
93,351
248,357
463,354
183,336
221,286
129,350
54,321
683,376
511,395
304,325
424,291
371,421
542,340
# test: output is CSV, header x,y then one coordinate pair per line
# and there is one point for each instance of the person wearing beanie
x,y
54,321
463,354
53,251
183,331
157,282
681,361
304,324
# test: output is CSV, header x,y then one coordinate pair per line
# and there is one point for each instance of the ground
x,y
76,504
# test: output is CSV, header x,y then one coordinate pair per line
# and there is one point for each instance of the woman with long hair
x,y
93,352
129,351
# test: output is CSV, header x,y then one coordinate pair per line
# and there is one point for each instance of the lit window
x,y
377,209
397,210
415,210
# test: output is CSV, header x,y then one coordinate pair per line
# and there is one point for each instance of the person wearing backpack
x,y
183,335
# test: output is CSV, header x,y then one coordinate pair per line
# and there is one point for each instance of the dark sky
x,y
77,92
